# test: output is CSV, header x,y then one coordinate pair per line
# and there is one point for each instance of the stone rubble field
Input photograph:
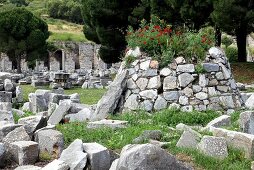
x,y
143,85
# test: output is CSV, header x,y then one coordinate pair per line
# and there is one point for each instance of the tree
x,y
235,17
22,34
106,23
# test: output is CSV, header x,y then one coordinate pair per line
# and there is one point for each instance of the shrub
x,y
163,43
227,41
128,60
232,53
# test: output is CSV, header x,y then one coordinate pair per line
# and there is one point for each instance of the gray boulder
x,y
214,146
185,79
149,157
59,112
74,156
24,152
247,122
4,130
250,102
98,156
189,139
108,103
2,155
83,115
50,141
56,165
33,123
8,85
148,134
18,134
223,120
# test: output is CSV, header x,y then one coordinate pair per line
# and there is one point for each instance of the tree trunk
x,y
217,36
18,60
241,35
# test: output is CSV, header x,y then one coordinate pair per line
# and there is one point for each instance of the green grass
x,y
140,121
67,36
16,117
87,96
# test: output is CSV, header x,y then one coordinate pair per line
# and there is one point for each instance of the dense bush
x,y
232,53
69,10
163,43
227,41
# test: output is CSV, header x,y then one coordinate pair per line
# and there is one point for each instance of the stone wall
x,y
180,85
5,63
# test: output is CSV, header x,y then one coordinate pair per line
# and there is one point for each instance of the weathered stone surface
x,y
6,116
74,156
83,115
165,72
109,101
160,103
202,80
59,112
227,102
154,83
28,167
8,85
147,105
171,95
212,91
225,71
38,102
250,102
223,88
223,120
19,94
131,84
5,96
196,88
56,165
185,79
189,139
237,140
50,141
180,60
24,152
183,127
188,92
98,156
2,155
183,100
188,108
26,106
136,52
18,134
132,102
149,94
186,68
33,123
150,157
107,123
214,146
4,130
145,65
210,67
147,135
201,96
170,83
247,122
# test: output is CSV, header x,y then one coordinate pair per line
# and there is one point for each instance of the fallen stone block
x,y
18,134
74,156
24,152
50,141
149,157
214,146
189,139
107,123
59,112
98,156
56,165
247,122
4,130
223,120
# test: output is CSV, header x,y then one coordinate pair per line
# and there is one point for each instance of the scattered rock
x,y
107,123
189,139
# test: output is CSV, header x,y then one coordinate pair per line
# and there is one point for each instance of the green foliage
x,y
128,60
163,43
16,117
235,17
106,23
232,53
22,33
69,10
227,41
65,36
199,68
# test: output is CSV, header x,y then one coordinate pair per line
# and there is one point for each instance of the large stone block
x,y
4,130
247,122
18,134
50,141
189,139
5,96
24,152
149,157
98,156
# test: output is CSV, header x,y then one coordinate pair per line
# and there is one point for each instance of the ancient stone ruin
x,y
181,84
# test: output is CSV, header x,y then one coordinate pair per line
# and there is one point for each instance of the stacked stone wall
x,y
181,85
